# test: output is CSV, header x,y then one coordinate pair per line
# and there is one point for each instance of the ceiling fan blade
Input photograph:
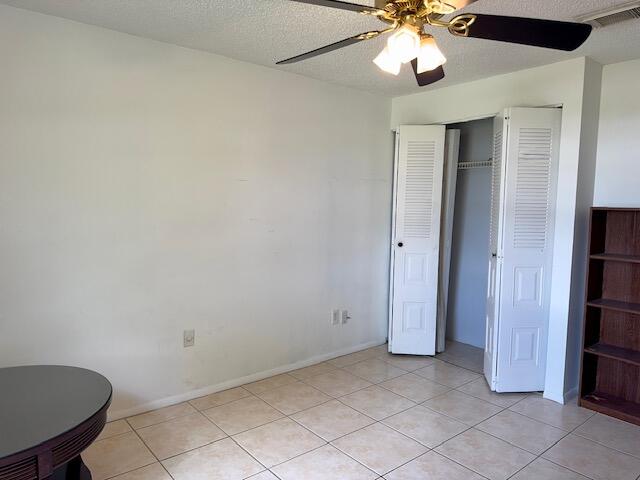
x,y
330,48
352,7
427,78
530,31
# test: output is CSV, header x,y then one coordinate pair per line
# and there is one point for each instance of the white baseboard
x,y
561,398
554,396
201,392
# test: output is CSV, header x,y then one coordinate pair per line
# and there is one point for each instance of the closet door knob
x,y
400,244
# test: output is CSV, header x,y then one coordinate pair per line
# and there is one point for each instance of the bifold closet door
x,y
524,247
416,238
493,282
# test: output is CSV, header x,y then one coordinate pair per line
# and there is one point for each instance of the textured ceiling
x,y
264,31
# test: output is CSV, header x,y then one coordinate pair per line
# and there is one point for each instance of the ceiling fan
x,y
409,20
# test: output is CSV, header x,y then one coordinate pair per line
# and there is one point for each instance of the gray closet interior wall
x,y
470,249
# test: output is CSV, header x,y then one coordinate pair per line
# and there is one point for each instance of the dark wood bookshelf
x,y
610,376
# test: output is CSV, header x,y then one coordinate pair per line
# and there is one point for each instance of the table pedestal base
x,y
74,470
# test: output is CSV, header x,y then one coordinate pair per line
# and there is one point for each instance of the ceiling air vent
x,y
611,16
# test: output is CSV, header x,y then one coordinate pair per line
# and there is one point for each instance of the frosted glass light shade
x,y
430,57
386,62
404,45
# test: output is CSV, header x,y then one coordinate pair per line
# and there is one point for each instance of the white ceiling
x,y
265,31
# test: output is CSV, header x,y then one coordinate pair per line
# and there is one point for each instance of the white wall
x,y
618,166
147,188
470,246
557,84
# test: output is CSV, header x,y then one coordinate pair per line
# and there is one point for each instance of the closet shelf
x,y
615,353
613,257
470,165
626,307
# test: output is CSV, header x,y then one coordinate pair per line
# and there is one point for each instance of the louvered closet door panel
x,y
415,251
496,182
418,189
525,246
493,291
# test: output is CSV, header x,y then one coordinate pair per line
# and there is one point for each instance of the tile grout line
x,y
249,453
227,436
151,451
637,457
326,444
503,408
518,447
298,411
221,404
186,402
381,475
567,468
541,457
194,448
571,432
471,428
432,450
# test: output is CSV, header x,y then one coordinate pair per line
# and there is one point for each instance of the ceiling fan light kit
x,y
387,62
430,57
408,21
404,43
407,44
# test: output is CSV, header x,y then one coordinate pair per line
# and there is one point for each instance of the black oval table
x,y
48,416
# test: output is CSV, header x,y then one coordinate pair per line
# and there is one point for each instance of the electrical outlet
x,y
335,317
344,316
189,337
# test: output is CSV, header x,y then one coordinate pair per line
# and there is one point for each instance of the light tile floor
x,y
369,415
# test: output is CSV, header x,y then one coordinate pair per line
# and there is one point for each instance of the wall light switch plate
x,y
344,317
189,337
335,317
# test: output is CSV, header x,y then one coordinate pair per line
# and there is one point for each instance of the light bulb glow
x,y
387,63
430,56
404,44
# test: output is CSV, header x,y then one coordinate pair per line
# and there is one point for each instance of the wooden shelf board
x,y
612,406
613,257
615,209
616,353
617,305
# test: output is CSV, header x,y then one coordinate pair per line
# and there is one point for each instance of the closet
x,y
495,263
467,296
